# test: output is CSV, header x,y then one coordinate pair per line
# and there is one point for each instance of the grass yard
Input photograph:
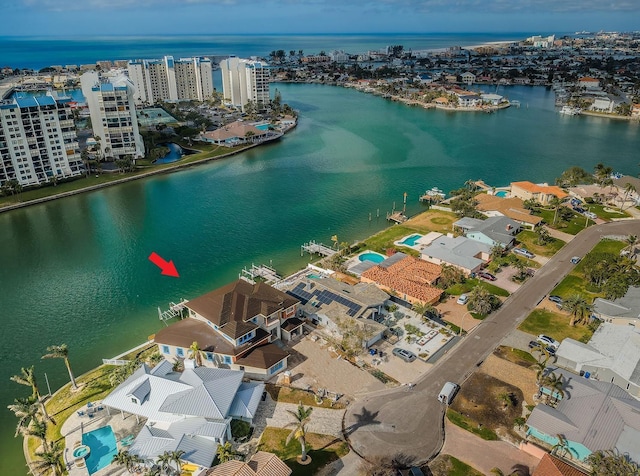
x,y
471,283
294,395
447,465
322,449
528,240
432,220
554,324
517,356
576,224
607,214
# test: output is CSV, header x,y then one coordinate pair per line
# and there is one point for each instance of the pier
x,y
434,195
317,248
267,273
397,217
175,310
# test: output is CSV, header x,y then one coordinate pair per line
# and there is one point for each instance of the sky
x,y
173,17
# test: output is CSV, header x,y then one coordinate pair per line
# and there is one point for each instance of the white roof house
x,y
189,410
463,253
612,355
624,310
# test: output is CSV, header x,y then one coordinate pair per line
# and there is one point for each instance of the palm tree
x,y
38,428
631,241
196,353
61,352
577,305
126,459
628,188
26,410
28,377
164,461
49,460
555,204
562,448
226,453
480,301
555,384
421,308
302,416
176,456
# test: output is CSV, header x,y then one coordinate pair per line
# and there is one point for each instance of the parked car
x,y
448,392
523,252
487,276
579,210
463,299
404,354
575,259
534,344
591,215
556,299
548,341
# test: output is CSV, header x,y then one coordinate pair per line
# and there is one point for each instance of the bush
x,y
240,429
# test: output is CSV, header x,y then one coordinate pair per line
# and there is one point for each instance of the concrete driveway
x,y
396,421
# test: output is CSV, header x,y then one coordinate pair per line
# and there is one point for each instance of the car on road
x,y
548,341
556,299
448,392
523,252
404,354
487,276
463,299
575,260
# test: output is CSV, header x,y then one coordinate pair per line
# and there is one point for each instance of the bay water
x,y
76,270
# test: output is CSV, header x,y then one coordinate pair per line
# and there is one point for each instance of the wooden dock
x,y
397,217
317,248
266,273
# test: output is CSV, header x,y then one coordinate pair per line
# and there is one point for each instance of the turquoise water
x,y
175,154
76,270
373,257
103,448
502,193
411,240
262,127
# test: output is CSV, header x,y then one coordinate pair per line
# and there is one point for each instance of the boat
x,y
570,111
433,195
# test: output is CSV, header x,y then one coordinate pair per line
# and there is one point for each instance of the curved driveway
x,y
409,423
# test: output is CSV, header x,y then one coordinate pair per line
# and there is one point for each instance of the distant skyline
x,y
171,17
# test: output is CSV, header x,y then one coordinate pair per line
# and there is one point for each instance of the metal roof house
x,y
624,310
612,355
189,410
463,253
591,416
235,327
494,231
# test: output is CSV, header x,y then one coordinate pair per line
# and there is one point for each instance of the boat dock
x,y
267,273
434,195
317,248
175,310
397,217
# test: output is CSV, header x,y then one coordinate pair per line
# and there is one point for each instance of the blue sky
x,y
113,17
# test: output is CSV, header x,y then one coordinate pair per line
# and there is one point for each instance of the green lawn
x,y
554,324
471,426
573,226
384,239
471,283
607,215
322,449
447,465
528,240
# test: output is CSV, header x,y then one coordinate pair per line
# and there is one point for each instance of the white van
x,y
448,392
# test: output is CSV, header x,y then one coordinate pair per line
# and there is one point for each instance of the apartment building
x,y
113,114
245,80
38,139
168,79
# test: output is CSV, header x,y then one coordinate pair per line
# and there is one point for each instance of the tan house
x,y
541,193
512,207
238,132
235,326
409,278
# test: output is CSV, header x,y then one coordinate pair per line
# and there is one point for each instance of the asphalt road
x,y
407,424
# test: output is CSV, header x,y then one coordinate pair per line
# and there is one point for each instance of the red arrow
x,y
167,267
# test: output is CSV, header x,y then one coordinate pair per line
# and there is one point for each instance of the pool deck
x,y
76,425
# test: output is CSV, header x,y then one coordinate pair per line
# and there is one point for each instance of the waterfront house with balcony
x,y
235,327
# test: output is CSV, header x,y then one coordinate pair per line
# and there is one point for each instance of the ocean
x,y
38,52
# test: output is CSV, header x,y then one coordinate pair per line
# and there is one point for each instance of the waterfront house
x,y
337,306
624,310
494,231
635,111
611,355
603,104
512,207
238,132
235,327
189,410
260,464
463,253
468,78
410,279
589,83
591,416
541,193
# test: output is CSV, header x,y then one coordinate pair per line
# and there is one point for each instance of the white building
x,y
113,114
171,80
243,81
38,140
468,78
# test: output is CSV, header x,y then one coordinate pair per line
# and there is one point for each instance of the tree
x,y
631,241
164,462
61,352
28,377
542,235
226,452
481,301
421,308
49,460
608,462
562,448
628,188
196,353
122,372
450,276
301,416
555,204
577,305
26,410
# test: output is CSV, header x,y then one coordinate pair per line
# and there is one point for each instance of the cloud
x,y
380,6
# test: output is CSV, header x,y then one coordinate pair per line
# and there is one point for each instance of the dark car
x,y
556,299
487,276
533,344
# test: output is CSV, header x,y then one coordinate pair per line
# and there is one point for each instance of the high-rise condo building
x,y
171,80
113,114
245,80
38,139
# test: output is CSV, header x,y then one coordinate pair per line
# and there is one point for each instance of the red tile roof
x,y
552,466
546,189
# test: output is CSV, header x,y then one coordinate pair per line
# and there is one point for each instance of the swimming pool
x,y
102,443
262,127
502,193
411,240
370,256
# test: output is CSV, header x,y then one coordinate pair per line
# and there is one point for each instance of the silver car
x,y
404,354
